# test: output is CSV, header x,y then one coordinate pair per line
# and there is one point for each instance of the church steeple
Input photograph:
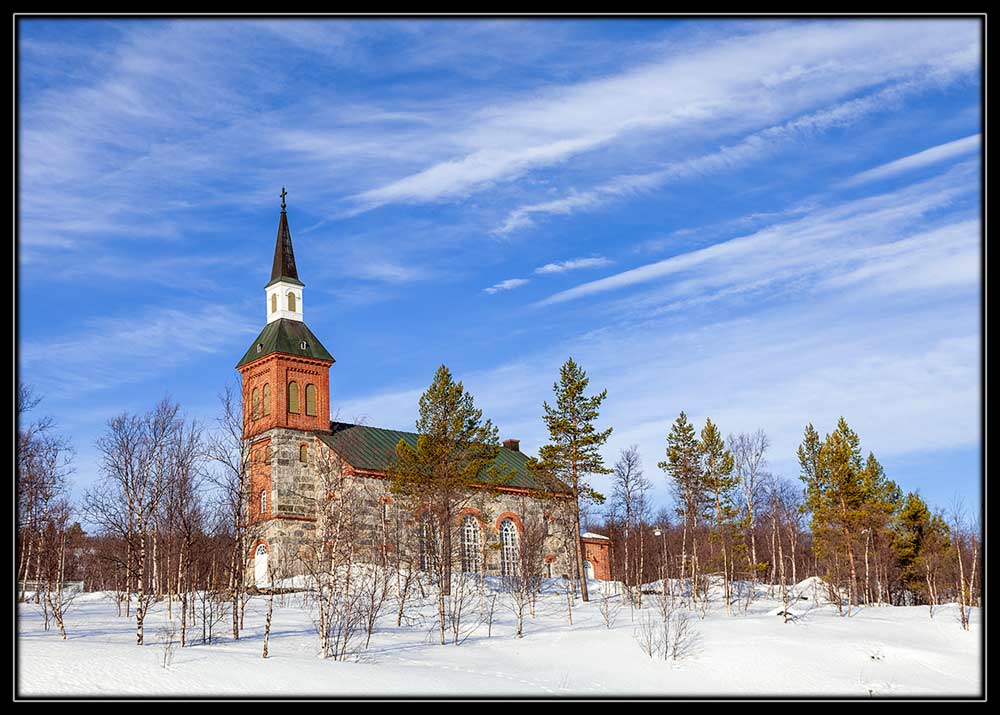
x,y
283,268
284,291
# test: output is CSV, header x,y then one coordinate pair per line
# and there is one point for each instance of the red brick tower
x,y
286,370
286,401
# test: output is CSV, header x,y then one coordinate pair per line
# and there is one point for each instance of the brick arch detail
x,y
253,549
513,517
467,511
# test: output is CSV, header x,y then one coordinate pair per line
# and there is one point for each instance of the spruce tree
x,y
573,452
920,544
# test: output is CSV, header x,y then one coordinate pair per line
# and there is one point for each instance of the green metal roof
x,y
374,449
285,336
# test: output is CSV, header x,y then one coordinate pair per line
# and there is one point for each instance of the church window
x,y
471,549
310,399
255,402
293,397
291,302
508,548
267,399
303,453
263,501
274,302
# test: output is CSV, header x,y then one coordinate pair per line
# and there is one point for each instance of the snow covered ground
x,y
878,651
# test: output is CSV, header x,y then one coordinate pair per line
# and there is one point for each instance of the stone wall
x,y
297,489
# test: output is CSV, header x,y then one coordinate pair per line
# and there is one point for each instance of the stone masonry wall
x,y
297,487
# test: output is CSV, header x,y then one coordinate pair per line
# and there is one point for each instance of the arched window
x,y
263,501
255,403
303,453
291,301
293,397
274,302
267,399
310,399
471,544
508,548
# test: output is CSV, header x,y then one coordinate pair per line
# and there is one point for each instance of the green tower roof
x,y
285,336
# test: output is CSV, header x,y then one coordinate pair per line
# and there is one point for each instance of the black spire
x,y
283,268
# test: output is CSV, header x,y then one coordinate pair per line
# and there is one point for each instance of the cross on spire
x,y
283,195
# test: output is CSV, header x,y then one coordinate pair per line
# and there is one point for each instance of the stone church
x,y
292,440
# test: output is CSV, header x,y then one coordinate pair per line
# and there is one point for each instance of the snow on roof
x,y
592,535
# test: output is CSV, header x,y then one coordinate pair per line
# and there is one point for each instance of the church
x,y
292,443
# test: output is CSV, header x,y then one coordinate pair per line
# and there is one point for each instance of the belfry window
x,y
255,403
267,399
293,398
291,302
274,302
310,400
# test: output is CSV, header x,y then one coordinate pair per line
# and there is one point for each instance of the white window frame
x,y
471,544
508,547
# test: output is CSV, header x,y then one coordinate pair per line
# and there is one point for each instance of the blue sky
x,y
764,222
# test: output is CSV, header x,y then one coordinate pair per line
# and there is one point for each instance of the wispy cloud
x,y
116,351
573,264
743,82
825,239
928,157
509,284
751,148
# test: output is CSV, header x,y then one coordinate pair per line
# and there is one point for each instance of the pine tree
x,y
683,466
573,452
719,482
839,488
882,500
454,460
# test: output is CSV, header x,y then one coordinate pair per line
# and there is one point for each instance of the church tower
x,y
286,402
286,370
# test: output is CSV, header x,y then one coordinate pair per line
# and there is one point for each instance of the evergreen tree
x,y
684,467
719,482
573,452
881,502
920,543
844,495
454,460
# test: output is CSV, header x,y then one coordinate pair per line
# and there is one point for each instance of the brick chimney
x,y
512,444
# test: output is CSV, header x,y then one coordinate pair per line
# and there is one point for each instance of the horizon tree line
x,y
171,510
